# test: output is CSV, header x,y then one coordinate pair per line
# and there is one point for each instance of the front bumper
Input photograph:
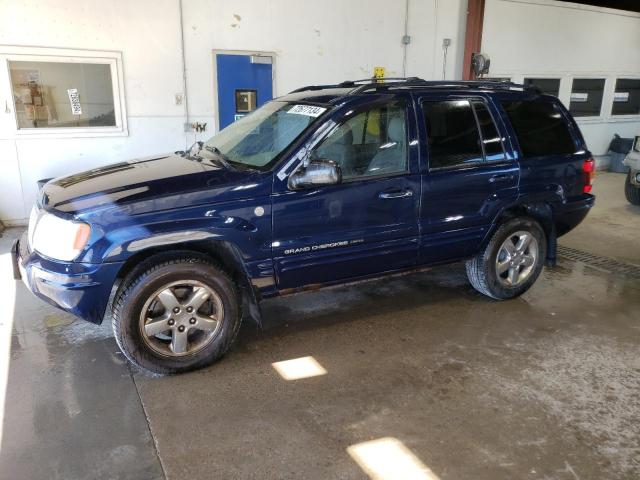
x,y
82,289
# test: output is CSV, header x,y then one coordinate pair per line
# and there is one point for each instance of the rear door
x,y
470,176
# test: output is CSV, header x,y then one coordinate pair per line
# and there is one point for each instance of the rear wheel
x,y
512,260
176,315
631,191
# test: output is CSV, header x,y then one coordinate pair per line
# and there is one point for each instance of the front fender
x,y
117,235
236,234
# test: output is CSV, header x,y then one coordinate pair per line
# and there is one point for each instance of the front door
x,y
470,176
245,82
367,223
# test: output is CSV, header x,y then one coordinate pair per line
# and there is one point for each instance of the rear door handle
x,y
388,194
507,177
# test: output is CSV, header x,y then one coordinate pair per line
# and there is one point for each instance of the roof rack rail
x,y
354,83
366,84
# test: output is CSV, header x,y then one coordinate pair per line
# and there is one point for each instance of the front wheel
x,y
512,260
177,315
631,191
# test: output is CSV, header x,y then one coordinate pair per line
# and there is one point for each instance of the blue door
x,y
471,175
368,223
245,82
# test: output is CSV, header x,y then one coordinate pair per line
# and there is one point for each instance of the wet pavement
x,y
71,409
612,227
419,373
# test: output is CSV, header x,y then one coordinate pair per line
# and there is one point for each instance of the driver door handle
x,y
507,177
388,194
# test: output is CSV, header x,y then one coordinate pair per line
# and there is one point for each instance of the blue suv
x,y
326,185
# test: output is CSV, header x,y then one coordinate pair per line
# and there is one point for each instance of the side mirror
x,y
316,173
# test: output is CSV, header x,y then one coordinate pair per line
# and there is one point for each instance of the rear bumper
x,y
570,214
81,289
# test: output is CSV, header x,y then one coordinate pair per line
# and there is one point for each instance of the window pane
x,y
370,143
626,99
586,97
550,86
62,95
491,140
540,127
453,134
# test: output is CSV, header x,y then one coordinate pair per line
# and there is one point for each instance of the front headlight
x,y
57,238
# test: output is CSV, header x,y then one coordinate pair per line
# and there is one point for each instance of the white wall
x,y
313,42
318,43
564,40
148,35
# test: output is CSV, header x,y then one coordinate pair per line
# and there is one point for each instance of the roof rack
x,y
376,84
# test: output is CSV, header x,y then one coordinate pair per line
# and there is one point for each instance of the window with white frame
x,y
626,97
586,97
550,86
66,94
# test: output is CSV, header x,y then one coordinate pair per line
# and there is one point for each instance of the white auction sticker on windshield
x,y
308,110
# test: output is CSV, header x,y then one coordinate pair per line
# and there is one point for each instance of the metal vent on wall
x,y
599,262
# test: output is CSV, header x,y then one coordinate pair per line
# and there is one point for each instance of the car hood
x,y
174,179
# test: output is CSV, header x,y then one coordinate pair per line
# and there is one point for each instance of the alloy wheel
x,y
181,318
517,258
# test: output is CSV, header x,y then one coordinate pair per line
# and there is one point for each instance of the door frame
x,y
215,52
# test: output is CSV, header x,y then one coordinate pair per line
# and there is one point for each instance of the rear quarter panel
x,y
554,179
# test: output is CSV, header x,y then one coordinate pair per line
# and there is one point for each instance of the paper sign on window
x,y
579,97
74,99
308,110
621,96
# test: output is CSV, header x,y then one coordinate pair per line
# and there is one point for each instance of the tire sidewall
x,y
631,191
497,288
128,330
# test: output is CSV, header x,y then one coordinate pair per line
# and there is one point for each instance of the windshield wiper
x,y
219,157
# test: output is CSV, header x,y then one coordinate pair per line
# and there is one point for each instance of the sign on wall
x,y
378,72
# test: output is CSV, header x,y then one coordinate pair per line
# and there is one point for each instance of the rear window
x,y
540,127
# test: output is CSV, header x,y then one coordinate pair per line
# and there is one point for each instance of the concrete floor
x,y
445,382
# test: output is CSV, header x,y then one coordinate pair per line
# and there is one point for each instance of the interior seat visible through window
x,y
370,143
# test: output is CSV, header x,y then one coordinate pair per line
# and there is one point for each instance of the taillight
x,y
589,169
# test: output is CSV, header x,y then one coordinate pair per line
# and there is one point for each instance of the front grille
x,y
599,262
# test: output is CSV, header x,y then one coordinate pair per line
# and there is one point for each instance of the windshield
x,y
258,138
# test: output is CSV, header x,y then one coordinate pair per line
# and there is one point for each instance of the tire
x,y
482,270
631,191
182,282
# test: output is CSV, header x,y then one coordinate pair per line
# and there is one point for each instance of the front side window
x,y
370,143
62,94
586,97
454,140
540,127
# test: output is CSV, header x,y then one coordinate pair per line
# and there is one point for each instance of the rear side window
x,y
453,134
540,127
491,139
